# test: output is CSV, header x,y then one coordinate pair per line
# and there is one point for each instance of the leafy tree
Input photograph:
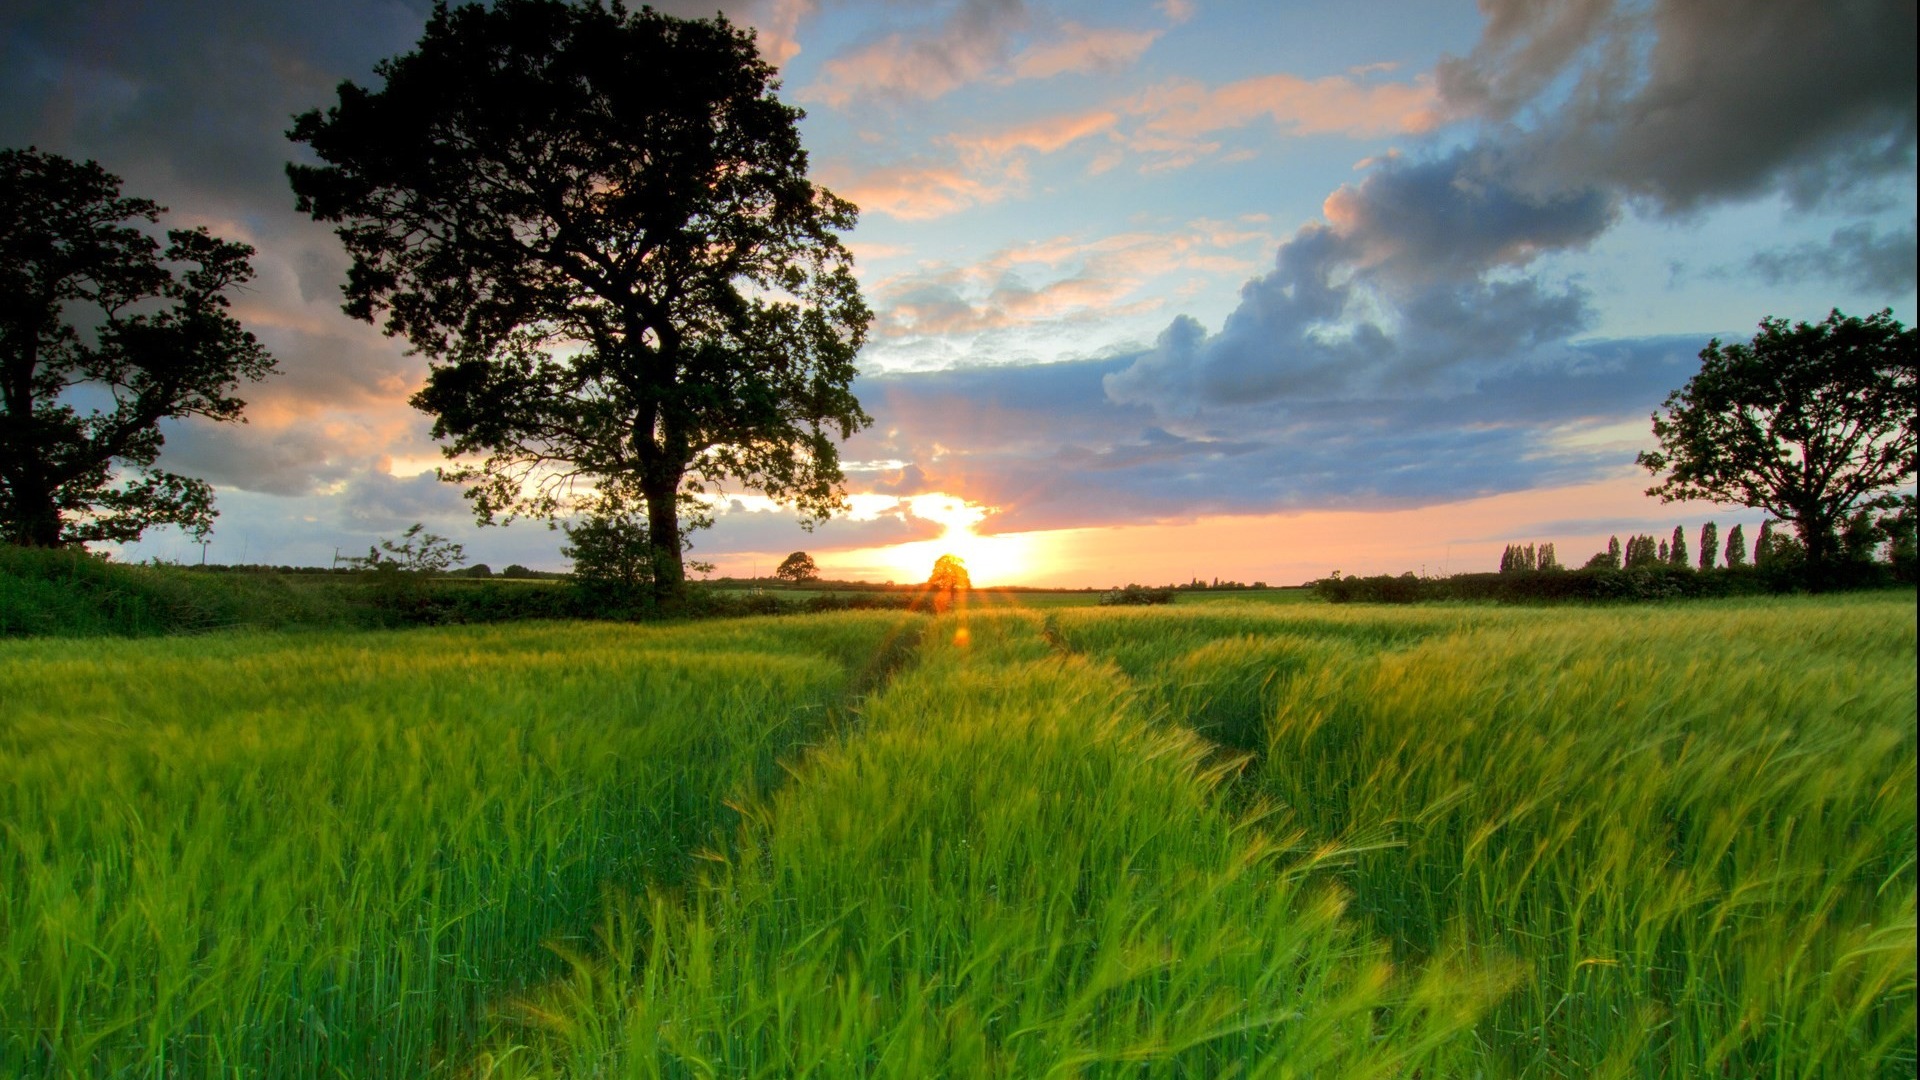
x,y
612,557
1662,556
1548,560
1613,552
798,567
1709,545
597,224
1677,548
1737,546
415,552
1807,422
949,573
93,309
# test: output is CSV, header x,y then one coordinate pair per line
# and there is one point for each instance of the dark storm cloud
x,y
1404,289
1855,256
1095,461
1688,102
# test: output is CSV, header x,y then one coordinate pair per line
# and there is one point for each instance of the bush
x,y
1136,595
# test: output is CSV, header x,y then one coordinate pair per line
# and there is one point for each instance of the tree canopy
x,y
1808,421
949,573
598,226
798,567
103,334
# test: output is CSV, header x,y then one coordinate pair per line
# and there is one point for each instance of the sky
x,y
1163,290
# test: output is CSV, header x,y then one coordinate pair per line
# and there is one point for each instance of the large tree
x,y
103,334
1809,421
598,226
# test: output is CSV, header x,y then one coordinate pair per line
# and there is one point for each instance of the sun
x,y
1000,559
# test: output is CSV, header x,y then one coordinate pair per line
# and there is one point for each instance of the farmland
x,y
1246,838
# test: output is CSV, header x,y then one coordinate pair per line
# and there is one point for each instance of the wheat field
x,y
1230,839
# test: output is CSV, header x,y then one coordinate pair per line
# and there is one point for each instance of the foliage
x,y
612,558
415,552
95,310
1136,596
798,567
1709,545
949,573
1808,422
597,224
1736,547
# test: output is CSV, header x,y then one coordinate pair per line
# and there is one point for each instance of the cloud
x,y
1049,447
1401,288
1184,110
919,192
1055,285
1081,48
972,41
1855,256
1689,102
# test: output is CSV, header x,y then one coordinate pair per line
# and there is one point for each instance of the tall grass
x,y
1008,872
1695,828
326,855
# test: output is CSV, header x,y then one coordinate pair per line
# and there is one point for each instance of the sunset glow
x,y
1160,290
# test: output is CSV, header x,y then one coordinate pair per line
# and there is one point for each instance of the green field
x,y
1231,838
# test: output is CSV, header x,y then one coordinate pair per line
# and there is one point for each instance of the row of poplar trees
x,y
1647,551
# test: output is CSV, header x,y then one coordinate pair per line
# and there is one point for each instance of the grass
x,y
322,855
1224,838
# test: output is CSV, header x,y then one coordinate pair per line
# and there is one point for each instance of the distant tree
x,y
598,226
798,567
1641,551
1763,547
515,570
949,574
1662,556
1808,422
1709,545
103,334
1506,559
1548,561
1677,548
1737,546
415,552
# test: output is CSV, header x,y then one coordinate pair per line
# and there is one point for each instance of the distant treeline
x,y
1873,554
70,593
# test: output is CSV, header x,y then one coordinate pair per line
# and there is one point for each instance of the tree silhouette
x,y
158,343
1807,421
949,573
798,567
1709,545
598,225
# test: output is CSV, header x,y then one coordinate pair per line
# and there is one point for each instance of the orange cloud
x,y
1044,136
1334,105
920,192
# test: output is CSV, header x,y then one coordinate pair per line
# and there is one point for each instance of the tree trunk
x,y
38,524
661,488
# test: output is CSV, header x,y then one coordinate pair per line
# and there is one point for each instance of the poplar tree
x,y
1737,546
1677,550
1709,545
